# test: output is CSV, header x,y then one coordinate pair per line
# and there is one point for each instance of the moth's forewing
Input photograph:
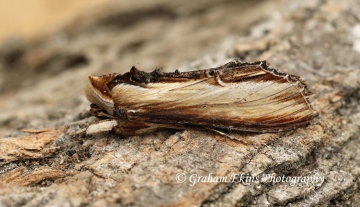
x,y
239,96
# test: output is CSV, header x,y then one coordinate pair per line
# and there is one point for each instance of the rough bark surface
x,y
42,84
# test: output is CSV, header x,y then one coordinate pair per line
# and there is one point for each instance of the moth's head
x,y
98,93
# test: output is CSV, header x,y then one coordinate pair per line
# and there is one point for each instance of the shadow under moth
x,y
237,96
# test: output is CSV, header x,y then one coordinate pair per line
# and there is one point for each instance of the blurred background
x,y
28,19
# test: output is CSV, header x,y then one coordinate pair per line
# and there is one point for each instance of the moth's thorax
x,y
98,93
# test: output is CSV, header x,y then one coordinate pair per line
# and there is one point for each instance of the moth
x,y
237,96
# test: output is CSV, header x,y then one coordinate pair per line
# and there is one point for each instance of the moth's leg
x,y
88,126
84,127
95,110
101,126
227,136
79,127
131,128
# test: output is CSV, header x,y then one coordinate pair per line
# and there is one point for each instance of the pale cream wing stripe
x,y
244,101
